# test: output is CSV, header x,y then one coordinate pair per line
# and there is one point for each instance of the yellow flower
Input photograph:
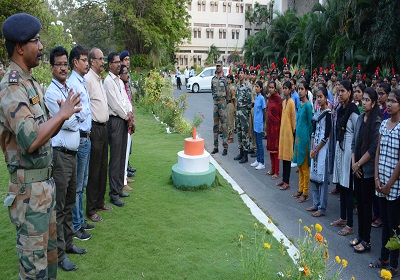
x,y
319,237
306,271
337,258
255,225
344,263
306,228
318,227
265,228
386,274
269,221
271,231
241,237
267,246
300,221
353,278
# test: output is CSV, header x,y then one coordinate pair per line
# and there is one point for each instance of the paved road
x,y
279,205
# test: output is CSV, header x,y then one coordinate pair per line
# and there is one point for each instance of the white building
x,y
223,24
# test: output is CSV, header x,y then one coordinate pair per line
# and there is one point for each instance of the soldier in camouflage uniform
x,y
243,108
220,94
25,132
253,78
231,108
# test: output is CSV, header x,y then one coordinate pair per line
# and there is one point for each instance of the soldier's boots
x,y
239,156
214,151
244,158
225,152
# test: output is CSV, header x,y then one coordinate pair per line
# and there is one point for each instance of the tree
x,y
212,55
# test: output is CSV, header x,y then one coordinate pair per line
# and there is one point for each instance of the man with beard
x,y
118,110
25,132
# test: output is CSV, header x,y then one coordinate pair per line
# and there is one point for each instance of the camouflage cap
x,y
219,62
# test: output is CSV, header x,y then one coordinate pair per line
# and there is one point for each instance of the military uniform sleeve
x,y
23,118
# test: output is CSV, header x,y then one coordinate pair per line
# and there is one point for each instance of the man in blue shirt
x,y
65,146
78,60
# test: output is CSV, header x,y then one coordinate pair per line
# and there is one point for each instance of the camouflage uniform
x,y
243,108
251,119
231,111
220,94
30,198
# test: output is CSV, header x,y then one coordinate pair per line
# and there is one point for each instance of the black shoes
x,y
130,174
239,156
75,250
117,202
124,195
244,159
214,151
225,152
131,169
82,235
87,226
67,265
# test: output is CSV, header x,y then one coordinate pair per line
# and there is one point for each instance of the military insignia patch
x,y
13,78
34,99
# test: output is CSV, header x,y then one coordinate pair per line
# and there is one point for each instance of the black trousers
x,y
286,165
346,202
97,181
117,139
364,189
64,174
390,216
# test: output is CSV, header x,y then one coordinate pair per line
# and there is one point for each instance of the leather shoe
x,y
124,195
129,180
95,218
225,152
214,151
75,250
67,265
117,202
131,169
127,188
104,208
130,174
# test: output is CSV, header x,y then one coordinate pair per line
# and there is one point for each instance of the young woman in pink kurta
x,y
286,135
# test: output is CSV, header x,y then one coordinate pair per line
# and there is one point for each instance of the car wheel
x,y
195,88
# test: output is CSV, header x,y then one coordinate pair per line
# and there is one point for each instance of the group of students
x,y
351,131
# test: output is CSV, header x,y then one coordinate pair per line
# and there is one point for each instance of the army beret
x,y
123,54
253,71
20,28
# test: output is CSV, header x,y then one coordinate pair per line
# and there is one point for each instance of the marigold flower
x,y
269,221
271,231
255,225
265,228
386,274
300,221
353,278
306,271
337,258
319,237
318,227
267,246
344,263
306,228
241,237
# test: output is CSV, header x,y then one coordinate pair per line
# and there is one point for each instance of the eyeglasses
x,y
83,59
59,65
35,40
392,101
99,58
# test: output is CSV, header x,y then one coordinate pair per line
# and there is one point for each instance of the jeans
x,y
260,148
82,172
320,191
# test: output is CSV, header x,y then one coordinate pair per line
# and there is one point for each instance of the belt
x,y
84,134
32,175
229,101
99,123
65,151
244,107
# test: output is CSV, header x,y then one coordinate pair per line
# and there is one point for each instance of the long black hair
x,y
374,116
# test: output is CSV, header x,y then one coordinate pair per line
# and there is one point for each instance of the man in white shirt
x,y
186,73
118,110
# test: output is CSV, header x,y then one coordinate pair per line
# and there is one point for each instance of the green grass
x,y
161,232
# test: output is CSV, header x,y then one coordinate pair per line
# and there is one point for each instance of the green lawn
x,y
161,232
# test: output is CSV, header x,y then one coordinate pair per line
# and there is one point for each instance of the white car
x,y
202,82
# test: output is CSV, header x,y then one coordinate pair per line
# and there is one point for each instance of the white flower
x,y
168,131
52,23
301,268
67,30
280,273
59,22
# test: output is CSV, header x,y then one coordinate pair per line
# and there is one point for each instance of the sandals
x,y
362,247
269,173
297,194
339,223
379,264
284,187
318,214
345,231
311,209
281,183
355,241
275,176
302,198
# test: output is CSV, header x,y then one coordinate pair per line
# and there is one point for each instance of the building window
x,y
199,64
224,8
241,9
237,8
216,7
229,8
220,34
208,34
199,6
233,34
204,5
224,34
199,33
211,6
181,59
190,6
212,33
186,61
248,32
194,33
237,34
